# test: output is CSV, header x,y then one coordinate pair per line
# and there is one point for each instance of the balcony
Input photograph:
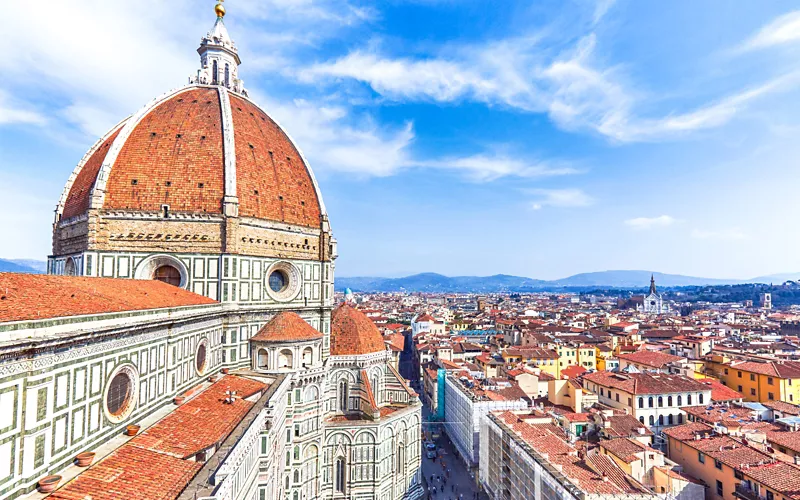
x,y
745,492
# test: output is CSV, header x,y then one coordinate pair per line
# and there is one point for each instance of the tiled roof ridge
x,y
286,326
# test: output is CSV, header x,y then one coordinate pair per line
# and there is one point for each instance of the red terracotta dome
x,y
353,333
287,327
192,150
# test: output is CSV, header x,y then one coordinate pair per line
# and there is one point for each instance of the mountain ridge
x,y
434,282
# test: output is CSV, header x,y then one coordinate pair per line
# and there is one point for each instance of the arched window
x,y
263,359
296,496
340,475
700,398
689,399
296,454
669,420
641,419
680,418
650,402
69,267
641,402
214,73
652,420
227,75
285,359
168,274
343,396
661,420
401,458
308,356
680,400
660,401
669,400
296,477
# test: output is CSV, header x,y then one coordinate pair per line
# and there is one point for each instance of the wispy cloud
x,y
12,113
601,8
719,234
642,223
489,167
782,30
570,87
567,198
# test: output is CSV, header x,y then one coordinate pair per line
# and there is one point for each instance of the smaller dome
x,y
353,333
287,327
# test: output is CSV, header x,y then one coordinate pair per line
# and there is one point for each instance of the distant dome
x,y
352,333
177,152
287,327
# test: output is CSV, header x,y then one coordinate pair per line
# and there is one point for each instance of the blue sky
x,y
457,136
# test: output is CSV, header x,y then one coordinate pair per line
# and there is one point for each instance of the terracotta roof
x,y
650,358
286,327
646,383
719,391
202,421
783,407
550,440
175,156
132,473
157,464
80,192
782,369
779,476
625,426
573,371
353,333
268,162
180,142
625,449
26,297
425,318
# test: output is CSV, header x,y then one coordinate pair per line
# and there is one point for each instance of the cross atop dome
x,y
219,57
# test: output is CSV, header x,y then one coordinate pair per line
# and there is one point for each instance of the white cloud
x,y
332,143
601,9
641,223
719,234
11,112
484,167
784,29
560,198
574,90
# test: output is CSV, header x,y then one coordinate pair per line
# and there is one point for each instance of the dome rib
x,y
353,333
287,327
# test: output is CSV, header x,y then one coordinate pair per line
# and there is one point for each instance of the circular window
x,y
201,357
652,302
120,394
282,281
278,281
168,274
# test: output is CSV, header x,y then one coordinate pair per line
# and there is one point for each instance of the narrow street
x,y
447,474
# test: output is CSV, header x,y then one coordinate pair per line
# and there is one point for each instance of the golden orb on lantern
x,y
220,9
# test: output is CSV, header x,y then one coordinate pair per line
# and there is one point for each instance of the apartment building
x,y
654,399
758,380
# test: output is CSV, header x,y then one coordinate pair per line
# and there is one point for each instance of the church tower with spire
x,y
653,302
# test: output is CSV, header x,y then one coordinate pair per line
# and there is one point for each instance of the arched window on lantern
x,y
214,73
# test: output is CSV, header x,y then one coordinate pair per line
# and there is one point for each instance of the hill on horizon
x,y
434,282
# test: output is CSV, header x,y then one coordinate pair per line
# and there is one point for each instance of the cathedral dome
x,y
353,333
287,327
190,152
